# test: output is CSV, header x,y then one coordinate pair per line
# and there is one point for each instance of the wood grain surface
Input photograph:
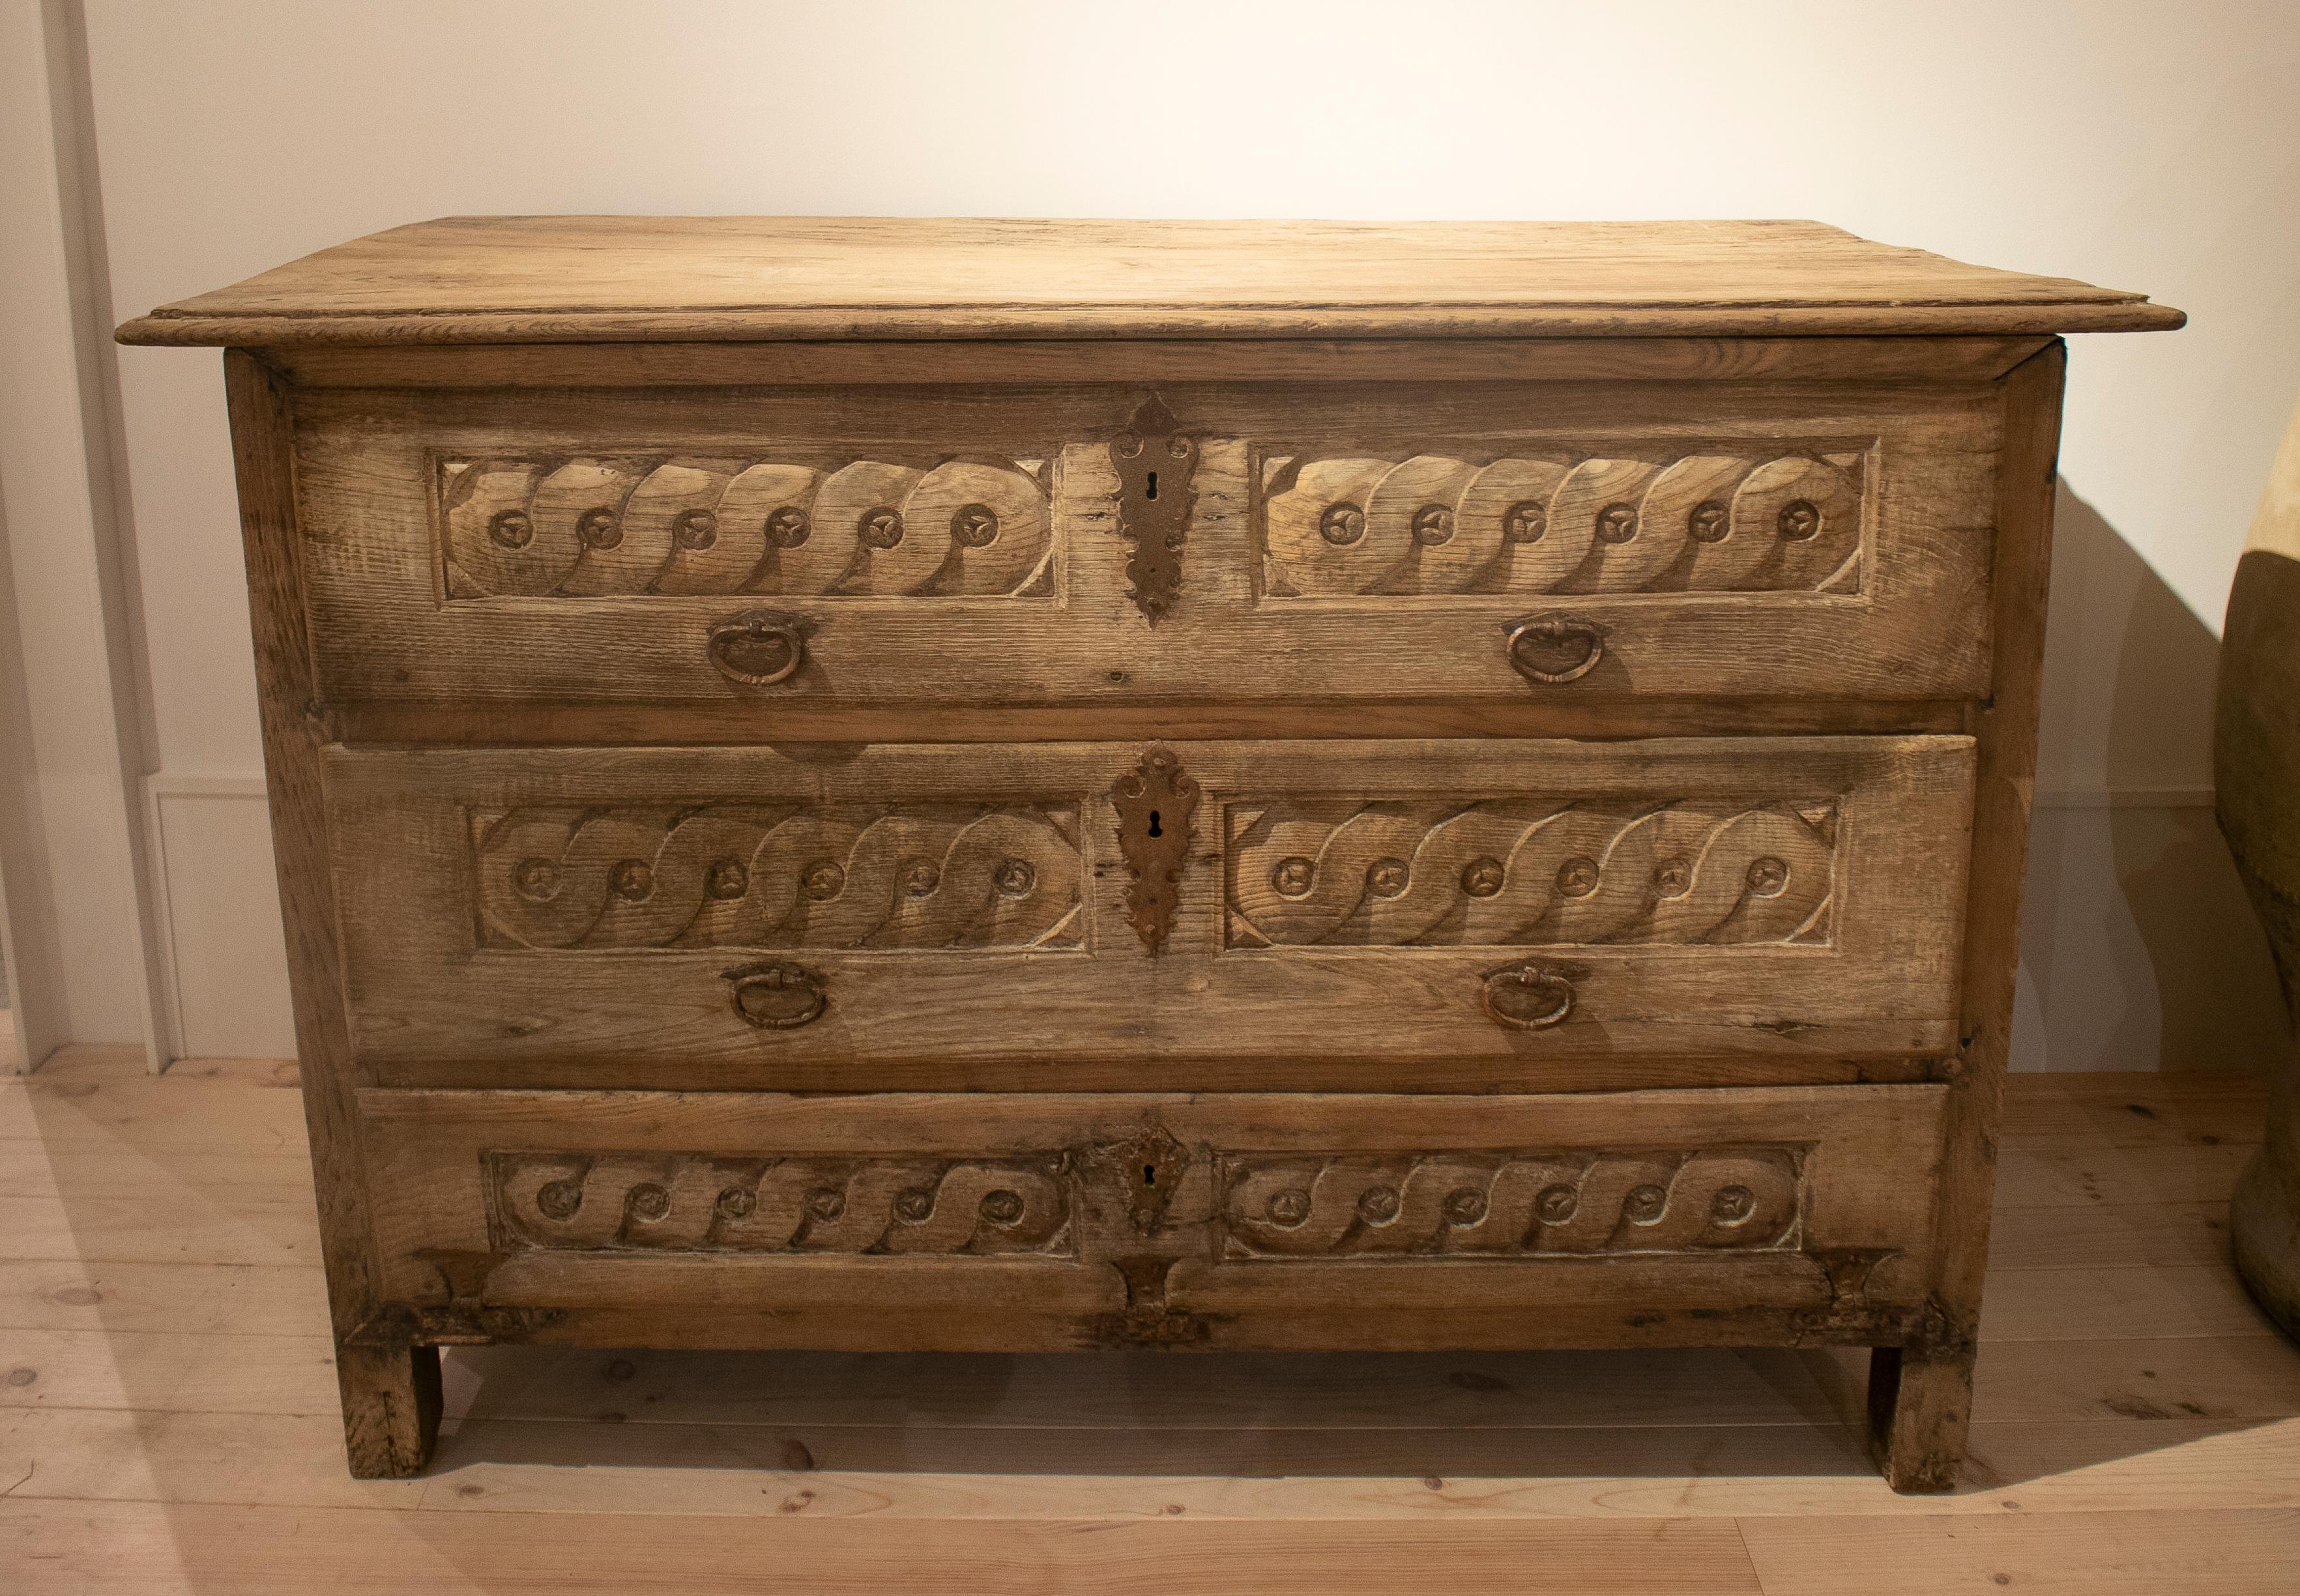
x,y
933,977
472,550
1235,1221
710,670
570,279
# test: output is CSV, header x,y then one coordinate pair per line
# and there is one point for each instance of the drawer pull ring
x,y
1529,998
757,650
1555,649
775,996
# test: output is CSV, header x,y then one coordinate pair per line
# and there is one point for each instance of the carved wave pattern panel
x,y
1528,872
1513,1204
1780,521
736,874
594,527
693,1202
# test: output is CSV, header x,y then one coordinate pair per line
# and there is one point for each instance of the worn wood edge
x,y
365,721
1721,361
2107,314
1587,1076
724,1111
1630,1323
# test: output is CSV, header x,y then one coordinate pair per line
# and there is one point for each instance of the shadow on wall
x,y
2139,950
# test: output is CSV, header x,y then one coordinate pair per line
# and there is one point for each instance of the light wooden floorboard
x,y
2193,1552
1012,1472
167,1420
192,1298
142,1546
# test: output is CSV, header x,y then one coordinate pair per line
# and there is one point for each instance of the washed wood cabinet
x,y
937,785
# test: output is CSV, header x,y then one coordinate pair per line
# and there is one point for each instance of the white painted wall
x,y
70,719
2153,147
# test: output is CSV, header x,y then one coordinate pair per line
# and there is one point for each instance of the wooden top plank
x,y
741,278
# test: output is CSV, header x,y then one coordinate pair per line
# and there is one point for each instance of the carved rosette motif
x,y
1511,1204
590,527
691,1203
1528,872
765,875
1784,521
1068,1204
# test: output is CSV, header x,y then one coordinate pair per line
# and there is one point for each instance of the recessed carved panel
x,y
591,526
691,1203
1511,1204
1525,872
1638,520
737,875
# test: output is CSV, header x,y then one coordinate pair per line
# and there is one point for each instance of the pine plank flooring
x,y
168,1422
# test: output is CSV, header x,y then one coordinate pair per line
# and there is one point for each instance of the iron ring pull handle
x,y
757,650
1527,998
1563,648
775,996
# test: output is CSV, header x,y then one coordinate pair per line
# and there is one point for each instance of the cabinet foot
x,y
391,1408
1920,1408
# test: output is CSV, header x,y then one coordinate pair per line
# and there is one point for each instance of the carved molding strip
x,y
1753,522
589,527
765,875
1511,1204
1528,872
690,1202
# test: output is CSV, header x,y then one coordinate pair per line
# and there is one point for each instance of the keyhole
x,y
1154,823
1150,491
1149,1174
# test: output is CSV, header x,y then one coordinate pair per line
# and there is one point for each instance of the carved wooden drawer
x,y
1068,914
753,551
1046,1221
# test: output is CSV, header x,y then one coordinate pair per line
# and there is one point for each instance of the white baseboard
x,y
223,959
2188,797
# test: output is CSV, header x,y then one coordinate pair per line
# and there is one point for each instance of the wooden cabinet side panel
x,y
389,1386
1920,1393
293,736
2004,726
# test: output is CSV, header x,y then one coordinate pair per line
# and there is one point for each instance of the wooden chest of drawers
x,y
1040,786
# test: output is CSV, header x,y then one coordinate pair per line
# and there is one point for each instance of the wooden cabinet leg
x,y
391,1408
1919,1408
